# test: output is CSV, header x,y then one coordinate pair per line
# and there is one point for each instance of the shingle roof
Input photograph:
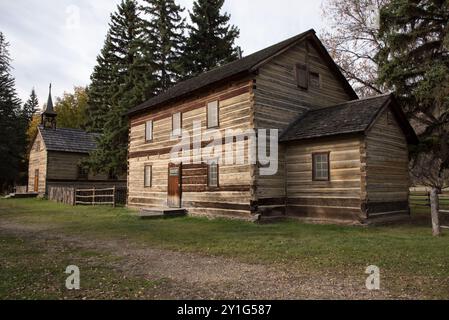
x,y
68,140
349,117
245,65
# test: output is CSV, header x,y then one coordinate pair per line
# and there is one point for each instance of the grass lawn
x,y
408,256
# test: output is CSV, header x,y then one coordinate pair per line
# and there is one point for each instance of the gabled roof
x,y
68,140
355,116
242,66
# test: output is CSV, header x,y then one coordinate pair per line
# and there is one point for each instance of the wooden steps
x,y
22,195
162,213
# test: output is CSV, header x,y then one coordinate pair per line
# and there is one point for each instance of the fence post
x,y
73,196
93,196
113,197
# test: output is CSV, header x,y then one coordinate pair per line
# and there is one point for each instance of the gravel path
x,y
195,276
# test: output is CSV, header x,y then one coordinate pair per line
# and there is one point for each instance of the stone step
x,y
22,195
161,213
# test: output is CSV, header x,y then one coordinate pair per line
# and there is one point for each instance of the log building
x,y
56,154
340,158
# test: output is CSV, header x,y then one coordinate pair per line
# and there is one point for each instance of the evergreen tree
x,y
101,88
123,69
12,123
165,35
415,63
211,41
31,106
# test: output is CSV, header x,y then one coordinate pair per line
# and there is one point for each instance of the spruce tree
x,y
12,123
165,34
123,68
211,41
31,106
415,63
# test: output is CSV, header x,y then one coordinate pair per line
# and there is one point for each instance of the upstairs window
x,y
321,166
83,173
149,131
176,124
315,80
212,174
302,76
38,146
148,176
212,114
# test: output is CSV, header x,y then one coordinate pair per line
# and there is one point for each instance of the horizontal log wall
x,y
64,166
337,199
232,198
387,167
37,160
279,101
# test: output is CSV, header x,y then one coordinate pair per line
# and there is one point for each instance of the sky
x,y
58,41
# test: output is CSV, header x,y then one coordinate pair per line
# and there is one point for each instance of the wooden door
x,y
174,185
36,180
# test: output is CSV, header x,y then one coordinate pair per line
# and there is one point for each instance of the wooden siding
x,y
232,197
337,199
37,160
279,101
64,166
387,161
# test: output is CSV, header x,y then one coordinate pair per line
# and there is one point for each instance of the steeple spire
x,y
48,117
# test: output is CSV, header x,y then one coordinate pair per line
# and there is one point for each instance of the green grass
x,y
30,272
401,251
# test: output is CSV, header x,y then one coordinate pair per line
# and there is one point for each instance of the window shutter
x,y
302,76
148,176
176,124
212,114
149,131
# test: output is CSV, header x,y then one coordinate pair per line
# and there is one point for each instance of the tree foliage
x,y
123,69
352,38
165,36
211,40
72,109
415,63
13,124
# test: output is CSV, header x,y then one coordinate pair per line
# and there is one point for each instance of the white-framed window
x,y
212,174
321,166
176,124
149,131
148,176
213,115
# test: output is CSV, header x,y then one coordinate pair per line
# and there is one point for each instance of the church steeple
x,y
48,117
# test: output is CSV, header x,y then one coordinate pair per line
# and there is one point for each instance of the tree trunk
x,y
434,209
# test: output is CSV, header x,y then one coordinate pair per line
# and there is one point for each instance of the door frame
x,y
36,180
170,204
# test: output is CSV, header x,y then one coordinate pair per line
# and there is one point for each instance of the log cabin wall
x,y
338,199
63,166
387,168
37,161
279,101
232,197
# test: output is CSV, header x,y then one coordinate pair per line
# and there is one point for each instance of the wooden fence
x,y
422,199
62,194
95,196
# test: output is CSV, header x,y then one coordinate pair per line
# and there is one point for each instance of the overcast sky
x,y
58,40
